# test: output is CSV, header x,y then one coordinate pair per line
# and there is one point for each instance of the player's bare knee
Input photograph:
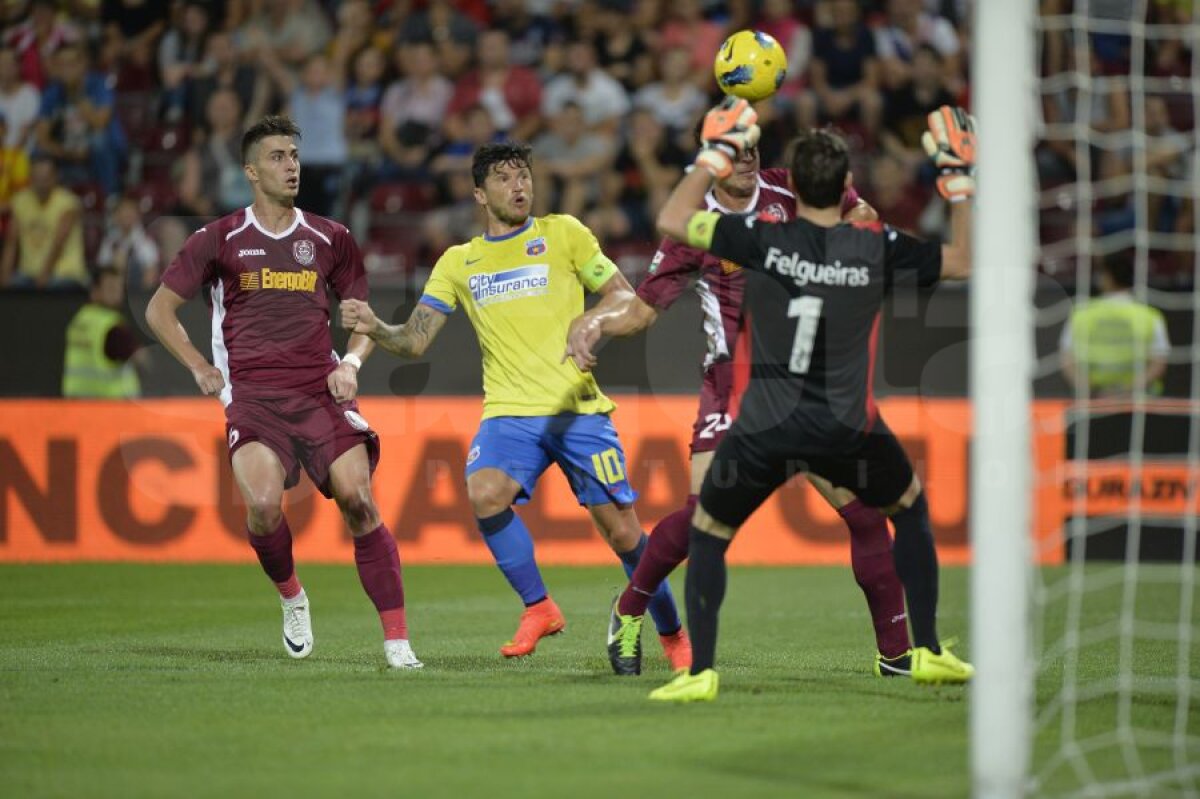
x,y
488,497
359,511
263,514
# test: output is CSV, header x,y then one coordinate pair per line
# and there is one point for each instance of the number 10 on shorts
x,y
607,466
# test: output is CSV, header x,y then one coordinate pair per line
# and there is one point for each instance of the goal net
x,y
1084,632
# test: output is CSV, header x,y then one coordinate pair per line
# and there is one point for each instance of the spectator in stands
x,y
529,34
412,112
133,27
457,219
906,108
584,84
452,33
38,38
1109,340
103,353
14,174
127,247
1168,155
686,27
622,49
44,248
212,183
908,27
845,72
222,69
19,101
293,30
674,98
778,18
455,155
571,161
357,28
364,100
77,126
317,103
646,169
181,53
897,199
511,94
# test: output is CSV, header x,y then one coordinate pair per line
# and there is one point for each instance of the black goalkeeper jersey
x,y
812,303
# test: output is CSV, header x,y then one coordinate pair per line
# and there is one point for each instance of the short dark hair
x,y
819,161
273,125
491,155
1119,268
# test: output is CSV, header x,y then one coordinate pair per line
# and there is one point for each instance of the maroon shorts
x,y
713,418
309,430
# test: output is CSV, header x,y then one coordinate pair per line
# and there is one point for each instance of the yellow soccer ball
x,y
750,65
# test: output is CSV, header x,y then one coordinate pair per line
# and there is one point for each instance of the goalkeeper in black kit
x,y
814,288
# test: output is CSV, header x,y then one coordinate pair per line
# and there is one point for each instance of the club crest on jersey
x,y
304,251
535,246
773,213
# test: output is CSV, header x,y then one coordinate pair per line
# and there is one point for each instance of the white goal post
x,y
1002,362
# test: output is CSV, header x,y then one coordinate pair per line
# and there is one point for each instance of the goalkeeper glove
x,y
950,143
728,131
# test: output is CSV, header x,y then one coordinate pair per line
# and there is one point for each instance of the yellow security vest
x,y
87,371
1109,337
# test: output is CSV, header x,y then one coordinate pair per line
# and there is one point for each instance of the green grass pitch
x,y
165,681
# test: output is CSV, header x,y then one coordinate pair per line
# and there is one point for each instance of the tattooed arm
x,y
409,340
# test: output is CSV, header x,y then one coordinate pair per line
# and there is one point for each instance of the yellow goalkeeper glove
x,y
729,129
950,143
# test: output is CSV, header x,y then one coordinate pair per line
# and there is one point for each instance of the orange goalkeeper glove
x,y
950,143
729,129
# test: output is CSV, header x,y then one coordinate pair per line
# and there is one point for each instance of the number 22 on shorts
x,y
607,466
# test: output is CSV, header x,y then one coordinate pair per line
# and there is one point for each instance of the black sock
x,y
705,592
917,567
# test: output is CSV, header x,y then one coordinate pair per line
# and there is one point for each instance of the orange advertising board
x,y
150,481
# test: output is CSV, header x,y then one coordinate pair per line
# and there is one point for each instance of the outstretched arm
x,y
621,312
409,340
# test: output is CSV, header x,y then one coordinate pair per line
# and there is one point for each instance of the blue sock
x,y
508,539
662,604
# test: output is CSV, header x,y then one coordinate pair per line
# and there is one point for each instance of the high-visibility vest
x,y
1109,337
87,371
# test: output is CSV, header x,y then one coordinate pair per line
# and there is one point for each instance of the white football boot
x,y
297,626
400,654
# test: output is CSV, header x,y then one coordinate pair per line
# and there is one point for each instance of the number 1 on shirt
x,y
808,309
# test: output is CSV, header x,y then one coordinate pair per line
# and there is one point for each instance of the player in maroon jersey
x,y
720,285
289,400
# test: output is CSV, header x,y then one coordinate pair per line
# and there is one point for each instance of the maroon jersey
x,y
270,299
719,283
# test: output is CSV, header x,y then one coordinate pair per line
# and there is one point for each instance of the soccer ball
x,y
750,65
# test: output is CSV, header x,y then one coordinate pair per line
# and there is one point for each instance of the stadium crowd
x,y
122,118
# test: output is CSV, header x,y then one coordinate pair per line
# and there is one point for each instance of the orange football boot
x,y
537,622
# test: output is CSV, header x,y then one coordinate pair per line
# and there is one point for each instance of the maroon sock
x,y
666,549
378,563
274,552
875,572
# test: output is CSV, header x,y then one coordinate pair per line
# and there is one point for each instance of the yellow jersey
x,y
521,291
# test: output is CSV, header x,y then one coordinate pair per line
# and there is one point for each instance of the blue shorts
x,y
586,448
